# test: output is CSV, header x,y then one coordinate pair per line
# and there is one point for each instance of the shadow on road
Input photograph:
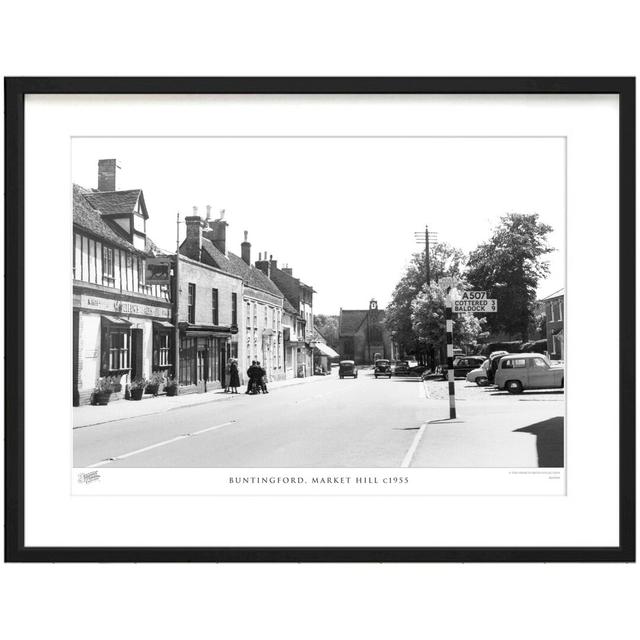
x,y
550,392
549,441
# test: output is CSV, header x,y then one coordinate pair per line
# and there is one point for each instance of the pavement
x,y
327,422
88,415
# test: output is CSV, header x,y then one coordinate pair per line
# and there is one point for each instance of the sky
x,y
341,212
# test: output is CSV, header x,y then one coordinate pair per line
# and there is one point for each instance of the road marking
x,y
414,445
158,444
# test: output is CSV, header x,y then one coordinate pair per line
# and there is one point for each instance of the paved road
x,y
331,423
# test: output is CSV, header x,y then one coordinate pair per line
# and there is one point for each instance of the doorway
x,y
136,353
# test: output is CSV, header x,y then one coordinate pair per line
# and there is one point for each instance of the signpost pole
x,y
450,372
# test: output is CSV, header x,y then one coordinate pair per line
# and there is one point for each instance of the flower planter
x,y
151,389
136,394
101,397
172,391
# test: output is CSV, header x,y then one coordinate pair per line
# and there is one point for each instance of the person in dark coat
x,y
234,377
262,379
251,377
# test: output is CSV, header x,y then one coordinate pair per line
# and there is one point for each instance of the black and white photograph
x,y
319,302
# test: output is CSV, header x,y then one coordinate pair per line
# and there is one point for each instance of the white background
x,y
490,38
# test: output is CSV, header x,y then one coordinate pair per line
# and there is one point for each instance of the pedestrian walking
x,y
251,377
234,376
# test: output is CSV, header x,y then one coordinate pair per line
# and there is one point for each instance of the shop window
x,y
162,349
117,350
191,304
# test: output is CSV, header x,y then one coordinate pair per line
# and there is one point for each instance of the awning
x,y
162,324
114,321
326,350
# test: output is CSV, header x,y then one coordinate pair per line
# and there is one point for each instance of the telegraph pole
x,y
176,355
427,237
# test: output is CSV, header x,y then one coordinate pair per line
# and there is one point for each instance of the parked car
x,y
518,372
382,368
347,368
462,365
479,375
401,368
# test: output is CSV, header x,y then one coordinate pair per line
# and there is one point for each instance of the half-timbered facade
x,y
121,325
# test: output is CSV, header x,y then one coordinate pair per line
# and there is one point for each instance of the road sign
x,y
486,305
473,295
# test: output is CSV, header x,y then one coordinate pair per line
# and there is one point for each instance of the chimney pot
x,y
208,211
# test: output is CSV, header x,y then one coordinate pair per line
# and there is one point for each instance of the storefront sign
x,y
123,307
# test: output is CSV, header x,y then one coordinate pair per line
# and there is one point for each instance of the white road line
x,y
414,445
158,444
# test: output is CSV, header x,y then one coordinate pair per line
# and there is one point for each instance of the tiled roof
x,y
235,265
350,321
555,294
89,218
109,202
289,308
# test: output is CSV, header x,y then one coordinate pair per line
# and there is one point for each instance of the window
x,y
514,363
118,350
107,266
162,349
234,309
559,309
552,306
539,363
191,304
248,314
255,315
214,306
266,319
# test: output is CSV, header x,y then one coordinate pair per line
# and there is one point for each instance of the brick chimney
x,y
246,249
107,175
217,231
266,266
193,243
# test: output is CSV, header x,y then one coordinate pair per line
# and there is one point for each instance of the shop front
x,y
120,337
204,353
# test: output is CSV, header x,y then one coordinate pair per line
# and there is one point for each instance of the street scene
x,y
431,343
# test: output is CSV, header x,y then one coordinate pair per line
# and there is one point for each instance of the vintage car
x,y
347,368
401,368
518,372
479,375
382,368
494,360
462,365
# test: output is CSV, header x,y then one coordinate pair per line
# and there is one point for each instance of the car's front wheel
x,y
513,386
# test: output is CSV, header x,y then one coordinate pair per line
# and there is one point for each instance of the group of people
x,y
231,376
257,379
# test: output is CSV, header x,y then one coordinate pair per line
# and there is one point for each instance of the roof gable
x,y
350,321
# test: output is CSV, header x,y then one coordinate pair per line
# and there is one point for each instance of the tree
x,y
509,267
444,260
428,320
328,327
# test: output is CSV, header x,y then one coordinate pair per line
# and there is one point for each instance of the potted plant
x,y
102,391
153,385
171,387
136,388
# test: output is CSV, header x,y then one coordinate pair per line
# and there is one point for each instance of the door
x,y
540,375
136,353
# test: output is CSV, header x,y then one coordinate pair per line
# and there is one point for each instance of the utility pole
x,y
176,276
427,237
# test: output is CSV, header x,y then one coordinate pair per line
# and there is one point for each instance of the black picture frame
x,y
15,91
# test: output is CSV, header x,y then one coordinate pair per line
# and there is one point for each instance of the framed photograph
x,y
432,280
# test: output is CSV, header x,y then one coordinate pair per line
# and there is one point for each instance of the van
x,y
517,372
